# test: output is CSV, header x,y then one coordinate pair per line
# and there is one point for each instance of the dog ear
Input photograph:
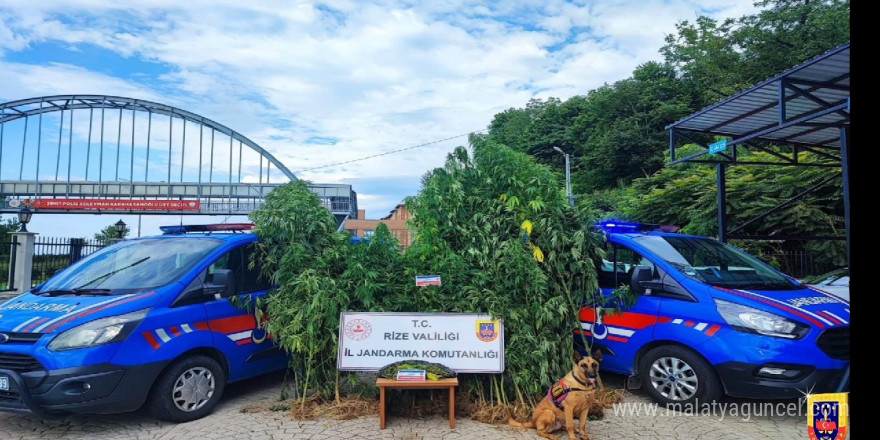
x,y
597,355
577,356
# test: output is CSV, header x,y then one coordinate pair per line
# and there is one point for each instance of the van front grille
x,y
835,343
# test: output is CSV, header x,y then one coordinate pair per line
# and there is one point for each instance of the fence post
x,y
10,280
76,247
24,260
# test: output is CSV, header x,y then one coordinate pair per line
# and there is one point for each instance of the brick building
x,y
395,221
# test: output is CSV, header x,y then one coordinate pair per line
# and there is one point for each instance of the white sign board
x,y
464,342
428,280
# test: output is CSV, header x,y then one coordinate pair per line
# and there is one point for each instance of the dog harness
x,y
559,391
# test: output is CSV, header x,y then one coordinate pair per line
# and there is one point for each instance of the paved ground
x,y
230,420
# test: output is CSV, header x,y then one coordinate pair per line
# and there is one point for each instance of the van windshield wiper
x,y
55,292
768,285
104,277
91,291
77,291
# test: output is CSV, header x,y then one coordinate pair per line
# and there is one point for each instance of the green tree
x,y
614,134
511,127
703,54
538,128
108,235
622,133
721,59
301,253
788,32
8,225
500,224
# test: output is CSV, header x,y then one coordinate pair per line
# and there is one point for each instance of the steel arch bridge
x,y
111,154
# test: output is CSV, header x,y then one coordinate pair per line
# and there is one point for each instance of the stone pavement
x,y
231,420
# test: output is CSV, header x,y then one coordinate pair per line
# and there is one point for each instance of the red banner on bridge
x,y
119,205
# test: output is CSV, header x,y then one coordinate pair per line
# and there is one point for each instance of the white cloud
x,y
29,81
372,77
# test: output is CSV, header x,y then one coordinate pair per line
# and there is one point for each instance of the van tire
x,y
187,390
672,374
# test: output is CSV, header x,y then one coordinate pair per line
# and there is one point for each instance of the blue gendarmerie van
x,y
711,320
142,322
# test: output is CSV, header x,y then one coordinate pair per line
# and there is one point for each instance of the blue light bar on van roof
x,y
173,229
218,227
622,226
617,226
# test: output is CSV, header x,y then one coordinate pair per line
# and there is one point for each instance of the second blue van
x,y
711,320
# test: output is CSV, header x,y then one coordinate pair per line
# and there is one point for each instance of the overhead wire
x,y
390,152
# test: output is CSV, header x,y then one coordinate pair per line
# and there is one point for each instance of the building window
x,y
369,233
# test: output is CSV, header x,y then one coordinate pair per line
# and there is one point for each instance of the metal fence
x,y
52,254
799,264
7,262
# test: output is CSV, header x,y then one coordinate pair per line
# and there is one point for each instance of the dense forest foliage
x,y
618,143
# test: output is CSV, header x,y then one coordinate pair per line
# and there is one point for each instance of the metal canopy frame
x,y
804,109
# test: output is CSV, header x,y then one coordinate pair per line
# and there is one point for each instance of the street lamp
x,y
567,177
120,229
24,216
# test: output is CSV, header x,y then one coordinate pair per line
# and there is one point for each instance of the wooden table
x,y
383,383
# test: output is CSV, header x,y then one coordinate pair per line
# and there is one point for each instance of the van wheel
x,y
677,375
187,390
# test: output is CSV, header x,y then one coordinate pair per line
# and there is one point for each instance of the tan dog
x,y
571,397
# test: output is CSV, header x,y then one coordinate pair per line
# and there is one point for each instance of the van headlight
x,y
98,332
751,320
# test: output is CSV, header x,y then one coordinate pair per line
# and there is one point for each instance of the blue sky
x,y
317,83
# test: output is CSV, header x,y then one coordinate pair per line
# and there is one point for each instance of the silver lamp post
x,y
567,176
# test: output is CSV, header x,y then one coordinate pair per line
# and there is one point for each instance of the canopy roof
x,y
804,106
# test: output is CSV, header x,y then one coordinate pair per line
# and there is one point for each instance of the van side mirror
x,y
224,282
223,285
639,275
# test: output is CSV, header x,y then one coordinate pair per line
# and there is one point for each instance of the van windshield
x,y
716,263
132,265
